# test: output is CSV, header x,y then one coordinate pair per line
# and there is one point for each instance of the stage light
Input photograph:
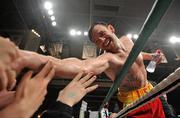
x,y
50,12
48,5
35,33
53,23
174,39
73,32
135,36
85,33
129,36
52,18
78,32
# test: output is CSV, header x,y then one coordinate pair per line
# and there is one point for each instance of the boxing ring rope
x,y
165,86
158,10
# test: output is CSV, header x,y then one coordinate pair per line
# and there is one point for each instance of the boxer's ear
x,y
111,28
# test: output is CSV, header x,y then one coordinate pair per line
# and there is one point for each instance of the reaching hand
x,y
28,59
30,92
77,89
8,53
6,98
112,115
7,77
8,50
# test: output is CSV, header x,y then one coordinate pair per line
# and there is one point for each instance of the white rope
x,y
165,86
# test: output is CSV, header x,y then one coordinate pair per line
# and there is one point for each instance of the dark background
x,y
18,17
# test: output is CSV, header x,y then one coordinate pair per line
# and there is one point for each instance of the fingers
x,y
19,64
89,82
26,61
113,115
78,76
7,77
5,58
11,79
23,83
89,89
85,78
50,75
8,48
13,52
46,70
3,79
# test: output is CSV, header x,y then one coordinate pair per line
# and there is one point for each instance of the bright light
x,y
174,39
50,12
78,32
129,36
135,36
53,23
32,30
52,18
73,32
85,33
35,33
48,5
42,47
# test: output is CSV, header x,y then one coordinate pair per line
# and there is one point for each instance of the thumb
x,y
18,64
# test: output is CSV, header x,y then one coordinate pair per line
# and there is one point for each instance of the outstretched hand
x,y
112,115
30,93
30,60
8,53
77,89
32,90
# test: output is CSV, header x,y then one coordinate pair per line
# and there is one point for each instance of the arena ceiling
x,y
17,17
128,16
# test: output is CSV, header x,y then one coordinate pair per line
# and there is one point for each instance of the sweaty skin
x,y
119,49
111,62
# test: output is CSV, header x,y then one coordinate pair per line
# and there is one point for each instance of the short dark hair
x,y
92,27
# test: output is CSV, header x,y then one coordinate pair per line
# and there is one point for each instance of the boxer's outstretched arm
x,y
66,68
69,67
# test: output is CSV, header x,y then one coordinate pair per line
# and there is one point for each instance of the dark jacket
x,y
58,110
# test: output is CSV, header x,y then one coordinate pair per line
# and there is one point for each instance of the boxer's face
x,y
102,36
